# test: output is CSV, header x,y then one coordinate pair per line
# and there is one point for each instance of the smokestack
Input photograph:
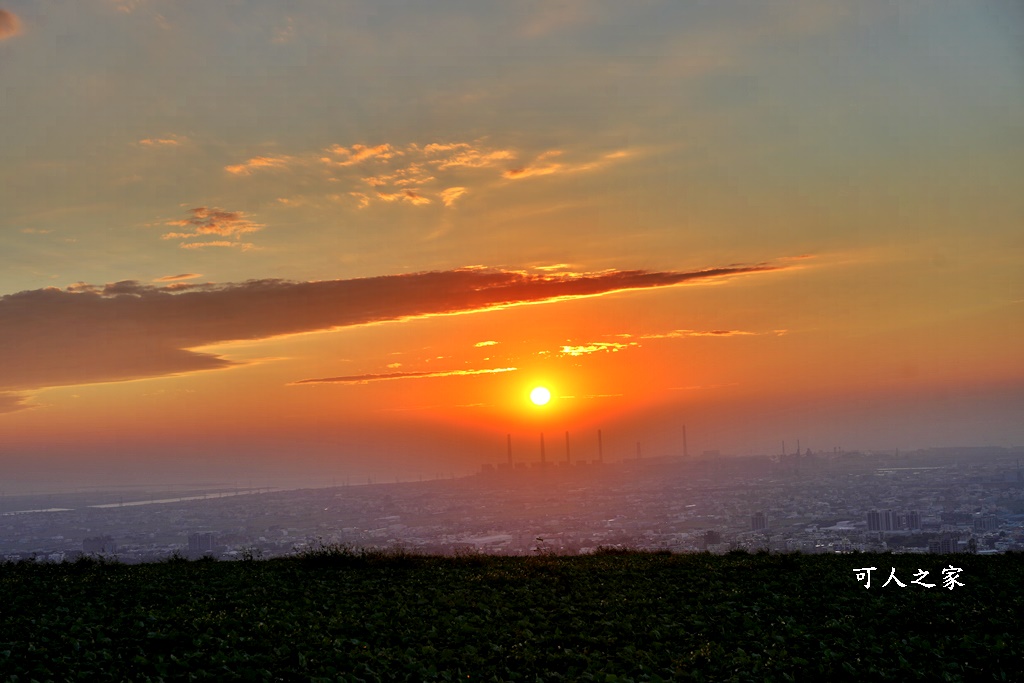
x,y
543,460
638,450
567,459
686,452
600,449
509,449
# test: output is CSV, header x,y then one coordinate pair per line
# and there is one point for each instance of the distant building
x,y
943,546
889,521
711,538
986,523
881,520
758,522
874,519
99,544
200,543
913,519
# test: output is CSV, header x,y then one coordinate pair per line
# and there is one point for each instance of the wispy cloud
x,y
207,222
178,278
587,349
244,246
680,334
450,195
473,158
362,198
437,171
170,141
10,25
363,379
10,403
284,34
410,196
543,165
130,330
551,17
261,163
349,156
126,6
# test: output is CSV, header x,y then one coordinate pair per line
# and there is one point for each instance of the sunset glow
x,y
291,242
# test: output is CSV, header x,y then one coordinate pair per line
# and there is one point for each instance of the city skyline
x,y
328,239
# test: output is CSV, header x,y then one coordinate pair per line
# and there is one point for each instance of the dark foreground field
x,y
608,617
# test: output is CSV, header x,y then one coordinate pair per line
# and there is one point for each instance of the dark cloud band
x,y
129,330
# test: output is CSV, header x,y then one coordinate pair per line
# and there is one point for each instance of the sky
x,y
320,241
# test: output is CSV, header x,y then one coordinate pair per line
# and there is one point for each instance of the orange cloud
x,y
587,349
244,246
129,330
473,158
364,200
679,334
172,141
10,25
358,153
414,181
410,196
207,221
363,379
260,163
452,194
542,167
10,403
178,278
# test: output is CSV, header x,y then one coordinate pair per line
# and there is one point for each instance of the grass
x,y
341,614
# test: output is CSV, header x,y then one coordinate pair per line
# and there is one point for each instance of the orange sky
x,y
317,241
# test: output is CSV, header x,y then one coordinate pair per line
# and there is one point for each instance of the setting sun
x,y
540,396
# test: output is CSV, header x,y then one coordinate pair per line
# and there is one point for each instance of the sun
x,y
540,396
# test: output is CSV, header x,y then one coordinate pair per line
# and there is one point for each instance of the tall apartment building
x,y
758,521
881,520
200,542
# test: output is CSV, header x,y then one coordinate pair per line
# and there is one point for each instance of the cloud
x,y
363,199
349,156
541,166
244,246
284,34
363,379
452,194
10,25
410,196
261,163
551,17
10,403
211,221
177,278
130,330
127,6
485,343
587,349
420,169
473,158
680,334
172,141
